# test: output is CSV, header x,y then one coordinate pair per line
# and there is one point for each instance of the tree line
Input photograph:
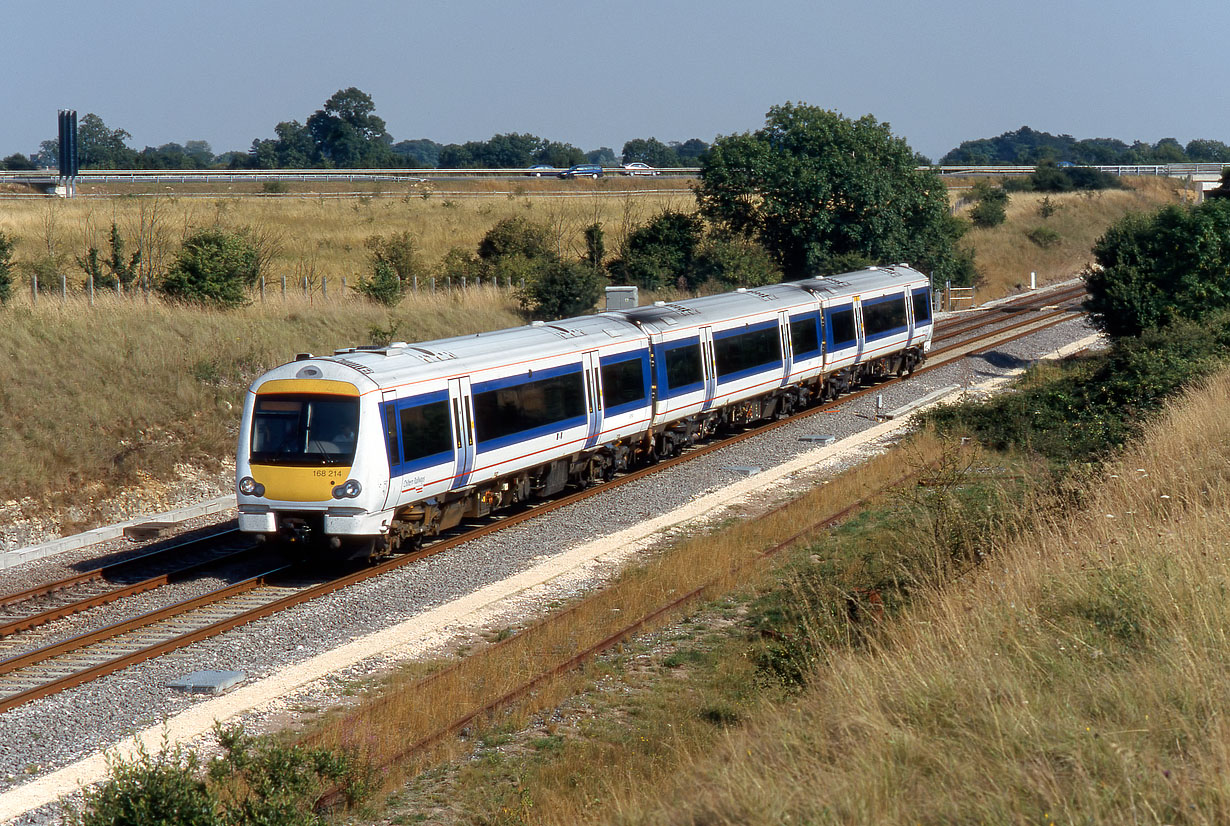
x,y
811,193
346,133
1027,146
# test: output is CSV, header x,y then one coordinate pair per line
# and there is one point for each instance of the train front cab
x,y
300,471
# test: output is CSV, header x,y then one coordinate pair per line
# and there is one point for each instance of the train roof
x,y
400,361
861,281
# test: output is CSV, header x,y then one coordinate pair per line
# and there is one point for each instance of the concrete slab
x,y
208,682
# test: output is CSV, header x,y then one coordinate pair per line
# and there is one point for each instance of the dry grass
x,y
96,400
1005,255
410,708
324,236
1082,677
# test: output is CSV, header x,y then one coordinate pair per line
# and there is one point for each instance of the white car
x,y
638,168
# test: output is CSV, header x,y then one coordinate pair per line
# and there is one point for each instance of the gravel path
x,y
58,730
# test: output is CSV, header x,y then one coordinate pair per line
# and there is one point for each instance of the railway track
x,y
51,668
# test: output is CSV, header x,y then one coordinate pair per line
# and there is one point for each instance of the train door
x,y
392,444
709,366
593,396
858,327
463,430
783,332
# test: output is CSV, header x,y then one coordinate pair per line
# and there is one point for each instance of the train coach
x,y
374,448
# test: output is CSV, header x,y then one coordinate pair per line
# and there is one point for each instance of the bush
x,y
661,253
6,268
1079,412
1153,269
384,287
735,263
1044,237
395,265
150,790
988,214
213,267
516,236
559,289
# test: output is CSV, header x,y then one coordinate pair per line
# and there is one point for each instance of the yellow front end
x,y
286,483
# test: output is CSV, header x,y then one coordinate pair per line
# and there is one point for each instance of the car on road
x,y
638,168
583,170
541,169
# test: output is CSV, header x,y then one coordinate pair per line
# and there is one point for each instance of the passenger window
x,y
425,431
747,351
804,336
922,307
623,382
842,324
533,404
683,366
884,315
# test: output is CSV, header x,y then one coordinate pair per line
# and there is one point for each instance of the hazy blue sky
x,y
598,74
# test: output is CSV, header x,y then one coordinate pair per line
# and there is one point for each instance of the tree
x,y
1223,189
347,134
559,289
422,153
690,150
395,266
1153,269
6,268
661,253
595,245
813,186
213,267
17,161
651,151
735,262
101,148
603,156
516,237
991,209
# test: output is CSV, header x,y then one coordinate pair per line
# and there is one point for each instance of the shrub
x,y
150,790
1044,237
661,253
988,214
1047,208
384,287
6,268
1153,269
400,252
558,289
213,267
735,263
595,246
516,236
459,263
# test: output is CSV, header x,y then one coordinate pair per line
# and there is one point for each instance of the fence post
x,y
90,286
119,289
416,283
145,287
34,288
343,285
262,289
464,284
948,295
305,285
433,285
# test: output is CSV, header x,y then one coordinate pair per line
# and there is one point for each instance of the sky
x,y
599,74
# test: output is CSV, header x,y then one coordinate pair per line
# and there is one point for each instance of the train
x,y
373,449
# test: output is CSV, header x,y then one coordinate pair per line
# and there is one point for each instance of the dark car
x,y
583,170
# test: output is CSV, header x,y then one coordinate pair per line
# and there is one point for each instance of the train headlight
x,y
250,487
348,489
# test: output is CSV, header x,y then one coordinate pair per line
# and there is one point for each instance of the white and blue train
x,y
372,449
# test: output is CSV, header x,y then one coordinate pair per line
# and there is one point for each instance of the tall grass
x,y
117,397
323,236
1081,677
1005,255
